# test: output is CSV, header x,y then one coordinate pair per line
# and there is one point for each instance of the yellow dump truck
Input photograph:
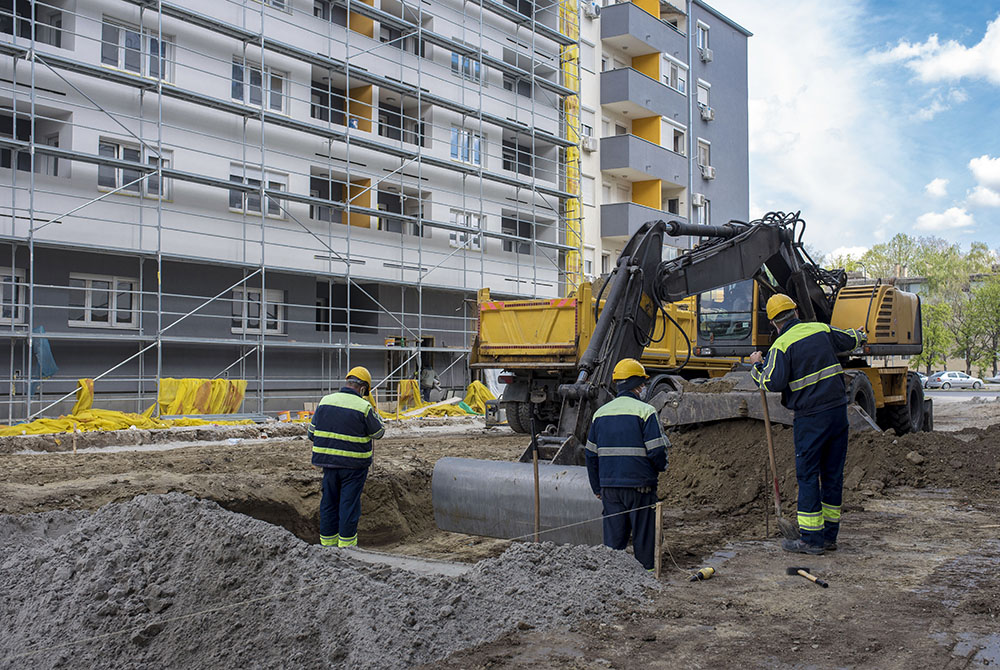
x,y
538,343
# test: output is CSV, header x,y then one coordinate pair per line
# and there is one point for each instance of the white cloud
x,y
986,170
934,61
816,112
941,103
952,219
937,188
853,252
982,196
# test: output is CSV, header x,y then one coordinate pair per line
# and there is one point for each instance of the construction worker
x,y
342,431
625,450
802,364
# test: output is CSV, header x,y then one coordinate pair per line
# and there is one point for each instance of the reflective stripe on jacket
x,y
342,430
625,446
802,364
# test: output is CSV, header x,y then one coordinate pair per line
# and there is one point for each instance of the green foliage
x,y
985,306
938,341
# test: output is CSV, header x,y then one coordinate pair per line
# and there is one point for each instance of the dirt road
x,y
914,585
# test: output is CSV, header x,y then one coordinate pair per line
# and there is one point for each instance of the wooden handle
x,y
813,578
770,453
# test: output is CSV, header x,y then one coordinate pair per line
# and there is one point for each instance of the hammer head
x,y
795,571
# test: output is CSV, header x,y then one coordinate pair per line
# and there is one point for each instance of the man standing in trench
x,y
626,449
343,431
802,364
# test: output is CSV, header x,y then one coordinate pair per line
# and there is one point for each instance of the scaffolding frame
x,y
548,205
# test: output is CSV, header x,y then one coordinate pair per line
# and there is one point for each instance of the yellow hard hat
x,y
778,303
360,373
627,368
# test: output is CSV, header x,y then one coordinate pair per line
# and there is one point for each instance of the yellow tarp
x,y
200,396
476,396
409,400
103,419
84,396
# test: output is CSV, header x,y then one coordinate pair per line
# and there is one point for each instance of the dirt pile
x,y
142,567
725,464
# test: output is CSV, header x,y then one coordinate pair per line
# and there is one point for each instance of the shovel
x,y
787,528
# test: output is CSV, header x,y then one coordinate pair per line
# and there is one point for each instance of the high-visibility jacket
x,y
342,430
626,446
802,364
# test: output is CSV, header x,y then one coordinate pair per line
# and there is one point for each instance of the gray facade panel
x,y
623,219
633,91
625,23
628,155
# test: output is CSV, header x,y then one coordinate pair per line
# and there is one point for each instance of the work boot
x,y
801,547
830,545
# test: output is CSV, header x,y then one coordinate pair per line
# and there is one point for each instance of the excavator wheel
x,y
908,418
860,391
513,412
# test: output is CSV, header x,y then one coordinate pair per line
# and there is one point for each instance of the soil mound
x,y
130,577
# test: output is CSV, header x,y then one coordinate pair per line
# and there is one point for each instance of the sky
x,y
875,117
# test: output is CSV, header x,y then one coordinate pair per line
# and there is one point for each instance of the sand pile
x,y
144,566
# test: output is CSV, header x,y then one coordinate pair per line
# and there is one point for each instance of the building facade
x,y
277,191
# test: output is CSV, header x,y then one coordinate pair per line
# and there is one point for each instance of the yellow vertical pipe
x,y
569,12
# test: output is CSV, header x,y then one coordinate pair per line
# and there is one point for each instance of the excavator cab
x,y
726,318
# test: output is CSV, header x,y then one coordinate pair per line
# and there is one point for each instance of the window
x,y
704,212
467,146
703,91
326,10
511,226
327,102
588,186
703,36
588,55
466,66
471,220
259,86
605,263
674,75
517,158
620,129
517,84
137,50
130,180
12,295
587,122
675,138
48,21
19,127
250,303
278,4
103,301
250,201
704,153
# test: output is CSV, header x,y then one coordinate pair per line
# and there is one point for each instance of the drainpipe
x,y
692,141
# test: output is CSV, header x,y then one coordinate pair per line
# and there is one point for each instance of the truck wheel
x,y
860,391
513,416
524,410
908,418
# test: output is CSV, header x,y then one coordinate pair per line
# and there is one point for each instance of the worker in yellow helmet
x,y
802,364
625,450
343,431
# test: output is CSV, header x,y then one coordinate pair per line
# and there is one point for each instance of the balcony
x,y
637,159
633,94
623,219
637,32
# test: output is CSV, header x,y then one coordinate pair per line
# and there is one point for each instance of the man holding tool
x,y
626,448
802,364
343,430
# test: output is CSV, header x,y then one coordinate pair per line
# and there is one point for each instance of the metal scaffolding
x,y
386,159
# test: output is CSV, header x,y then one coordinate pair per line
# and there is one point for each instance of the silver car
x,y
946,380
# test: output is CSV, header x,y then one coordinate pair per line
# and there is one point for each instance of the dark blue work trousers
x,y
820,452
340,506
623,516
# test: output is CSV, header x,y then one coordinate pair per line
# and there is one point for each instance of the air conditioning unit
x,y
698,199
708,172
707,113
706,55
592,10
589,143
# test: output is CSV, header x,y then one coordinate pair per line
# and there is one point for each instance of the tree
x,y
937,338
965,331
986,314
842,261
891,259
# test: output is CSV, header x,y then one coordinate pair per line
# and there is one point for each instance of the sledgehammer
x,y
805,573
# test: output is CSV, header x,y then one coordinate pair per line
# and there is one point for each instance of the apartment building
x,y
664,121
278,190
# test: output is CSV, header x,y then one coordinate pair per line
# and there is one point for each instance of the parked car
x,y
946,380
992,380
923,379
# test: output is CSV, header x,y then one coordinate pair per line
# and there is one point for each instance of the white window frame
x,y
587,122
280,5
705,213
675,74
668,137
463,146
15,279
588,188
112,309
123,176
707,146
145,50
244,297
472,221
244,174
704,86
467,67
246,86
702,31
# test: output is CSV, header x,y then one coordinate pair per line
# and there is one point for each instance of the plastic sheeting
x,y
103,419
410,405
200,396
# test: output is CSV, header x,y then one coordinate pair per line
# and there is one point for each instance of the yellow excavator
x,y
732,272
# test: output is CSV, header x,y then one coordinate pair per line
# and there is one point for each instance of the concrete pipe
x,y
497,499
